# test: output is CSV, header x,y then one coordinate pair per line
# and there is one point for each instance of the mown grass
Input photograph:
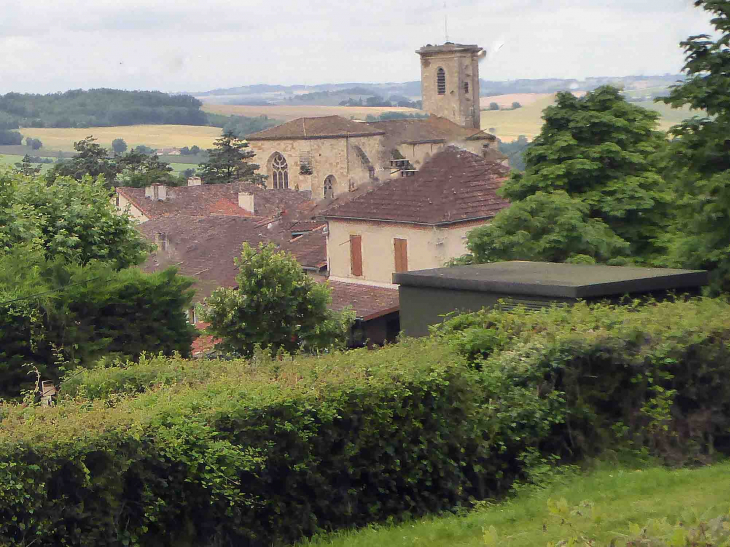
x,y
154,136
619,496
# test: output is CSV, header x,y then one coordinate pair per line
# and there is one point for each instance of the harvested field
x,y
286,112
154,136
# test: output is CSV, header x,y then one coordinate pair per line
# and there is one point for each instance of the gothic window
x,y
441,81
280,171
329,190
466,88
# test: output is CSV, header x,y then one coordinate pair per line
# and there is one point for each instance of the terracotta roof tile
x,y
216,199
455,185
310,249
431,129
316,128
368,302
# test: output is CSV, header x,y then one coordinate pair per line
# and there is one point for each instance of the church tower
x,y
450,82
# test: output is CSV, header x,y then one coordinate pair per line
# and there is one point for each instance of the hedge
x,y
264,452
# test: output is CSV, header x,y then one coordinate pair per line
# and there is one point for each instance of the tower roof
x,y
448,47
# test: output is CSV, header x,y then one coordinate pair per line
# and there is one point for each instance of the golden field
x,y
154,136
287,112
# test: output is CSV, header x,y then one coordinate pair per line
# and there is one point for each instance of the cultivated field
x,y
287,112
154,136
508,125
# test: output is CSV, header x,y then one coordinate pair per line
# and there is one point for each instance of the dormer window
x,y
441,81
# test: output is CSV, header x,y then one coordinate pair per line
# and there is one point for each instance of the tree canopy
x,y
699,156
276,306
228,161
598,151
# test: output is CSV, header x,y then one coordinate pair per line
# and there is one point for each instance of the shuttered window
x,y
356,255
400,246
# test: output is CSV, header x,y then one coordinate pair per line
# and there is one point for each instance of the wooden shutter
x,y
400,247
356,255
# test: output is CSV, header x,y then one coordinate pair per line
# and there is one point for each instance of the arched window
x,y
279,171
329,187
441,81
466,88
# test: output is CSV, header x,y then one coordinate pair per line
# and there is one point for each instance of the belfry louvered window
x,y
441,81
280,171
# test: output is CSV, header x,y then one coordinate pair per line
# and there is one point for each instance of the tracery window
x,y
279,171
329,191
441,81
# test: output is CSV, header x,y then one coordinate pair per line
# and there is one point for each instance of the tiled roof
x,y
432,129
368,302
316,128
204,247
310,249
216,199
455,185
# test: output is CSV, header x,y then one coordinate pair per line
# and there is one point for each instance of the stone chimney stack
x,y
245,201
157,192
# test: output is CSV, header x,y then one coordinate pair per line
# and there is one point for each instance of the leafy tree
x,y
515,151
229,161
142,149
119,146
139,170
10,137
493,106
66,219
35,144
276,305
699,156
516,105
551,227
601,149
58,316
26,167
194,150
91,159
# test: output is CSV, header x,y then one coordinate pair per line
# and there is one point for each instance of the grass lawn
x,y
620,497
154,136
9,160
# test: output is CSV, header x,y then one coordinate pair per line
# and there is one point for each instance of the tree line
x,y
98,108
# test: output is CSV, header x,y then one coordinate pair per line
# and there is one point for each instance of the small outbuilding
x,y
427,295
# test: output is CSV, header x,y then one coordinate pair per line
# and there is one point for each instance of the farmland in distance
x,y
291,112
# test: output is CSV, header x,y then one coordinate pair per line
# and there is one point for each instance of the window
x,y
466,88
400,247
329,190
441,81
356,255
280,171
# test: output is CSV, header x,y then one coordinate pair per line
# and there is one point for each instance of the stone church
x,y
331,155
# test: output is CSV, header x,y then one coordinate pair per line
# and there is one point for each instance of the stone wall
x,y
123,204
337,157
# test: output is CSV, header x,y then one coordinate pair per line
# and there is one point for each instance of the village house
x,y
413,223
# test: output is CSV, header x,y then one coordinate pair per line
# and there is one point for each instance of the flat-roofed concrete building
x,y
427,295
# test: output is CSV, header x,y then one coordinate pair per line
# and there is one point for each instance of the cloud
x,y
54,45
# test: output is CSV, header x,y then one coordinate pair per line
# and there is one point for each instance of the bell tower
x,y
450,82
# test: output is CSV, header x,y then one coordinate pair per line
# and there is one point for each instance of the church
x,y
330,156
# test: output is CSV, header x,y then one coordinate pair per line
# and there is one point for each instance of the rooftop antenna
x,y
446,23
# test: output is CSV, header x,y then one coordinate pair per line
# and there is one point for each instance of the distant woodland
x,y
99,108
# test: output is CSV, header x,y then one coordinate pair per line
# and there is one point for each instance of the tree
x,y
35,144
139,170
119,146
601,150
67,219
276,305
699,156
91,159
516,105
493,106
549,227
194,150
228,161
26,167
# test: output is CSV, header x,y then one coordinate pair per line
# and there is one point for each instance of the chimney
x,y
245,201
195,181
156,192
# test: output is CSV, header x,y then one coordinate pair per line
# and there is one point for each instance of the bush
x,y
262,452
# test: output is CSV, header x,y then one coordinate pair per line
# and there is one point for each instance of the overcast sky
x,y
197,45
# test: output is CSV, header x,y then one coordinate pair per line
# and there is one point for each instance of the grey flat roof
x,y
550,279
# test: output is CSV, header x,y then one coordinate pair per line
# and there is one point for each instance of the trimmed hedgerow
x,y
262,452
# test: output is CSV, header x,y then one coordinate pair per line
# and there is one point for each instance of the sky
x,y
197,45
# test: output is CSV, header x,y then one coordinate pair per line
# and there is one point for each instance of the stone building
x,y
450,82
413,223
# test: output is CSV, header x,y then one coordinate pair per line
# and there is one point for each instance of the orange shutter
x,y
356,255
400,247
